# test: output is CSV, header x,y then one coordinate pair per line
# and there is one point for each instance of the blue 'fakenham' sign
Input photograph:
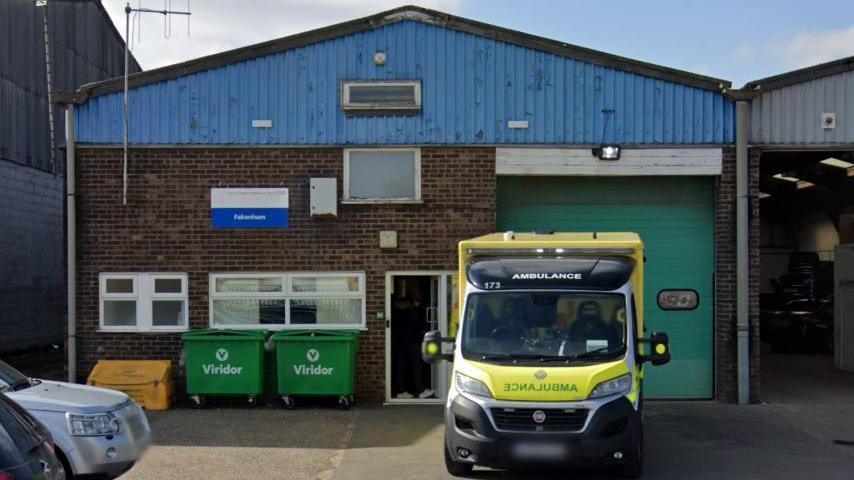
x,y
249,207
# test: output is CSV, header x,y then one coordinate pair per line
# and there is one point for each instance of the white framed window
x,y
382,175
143,302
274,301
381,96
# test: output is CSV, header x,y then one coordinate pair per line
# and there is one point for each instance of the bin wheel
x,y
252,400
289,402
198,401
344,402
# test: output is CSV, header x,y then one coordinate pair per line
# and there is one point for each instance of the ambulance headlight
x,y
466,384
614,386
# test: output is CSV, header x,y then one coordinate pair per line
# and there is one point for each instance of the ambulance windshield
x,y
544,326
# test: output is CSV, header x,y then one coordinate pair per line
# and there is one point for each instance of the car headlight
x,y
621,384
466,384
92,425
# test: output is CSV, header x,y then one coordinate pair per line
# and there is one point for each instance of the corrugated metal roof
x,y
802,74
400,14
472,86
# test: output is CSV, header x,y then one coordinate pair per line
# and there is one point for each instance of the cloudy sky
x,y
738,41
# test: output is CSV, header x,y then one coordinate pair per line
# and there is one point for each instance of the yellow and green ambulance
x,y
548,354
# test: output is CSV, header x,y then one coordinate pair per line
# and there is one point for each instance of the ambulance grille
x,y
556,419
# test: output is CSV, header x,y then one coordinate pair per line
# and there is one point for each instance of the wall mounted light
x,y
607,152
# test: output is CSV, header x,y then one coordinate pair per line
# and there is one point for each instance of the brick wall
x,y
32,270
726,364
166,227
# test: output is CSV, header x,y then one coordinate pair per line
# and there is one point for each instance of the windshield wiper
x,y
599,351
21,384
522,356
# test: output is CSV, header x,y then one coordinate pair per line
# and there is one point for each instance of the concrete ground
x,y
801,431
803,428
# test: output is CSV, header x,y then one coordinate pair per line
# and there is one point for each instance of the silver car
x,y
96,431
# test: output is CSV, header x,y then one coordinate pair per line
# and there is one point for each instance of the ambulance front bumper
x,y
488,434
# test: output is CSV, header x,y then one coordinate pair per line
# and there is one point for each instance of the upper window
x,y
278,300
143,301
382,96
382,175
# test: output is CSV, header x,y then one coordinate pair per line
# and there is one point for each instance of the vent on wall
x,y
385,96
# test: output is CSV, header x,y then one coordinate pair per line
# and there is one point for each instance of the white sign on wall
x,y
249,207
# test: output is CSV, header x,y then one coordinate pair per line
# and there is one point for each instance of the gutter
x,y
742,99
71,242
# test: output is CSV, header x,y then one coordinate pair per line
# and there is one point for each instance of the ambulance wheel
x,y
632,466
344,403
198,401
455,468
289,402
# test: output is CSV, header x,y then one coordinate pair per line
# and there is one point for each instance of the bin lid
x,y
285,335
129,372
219,334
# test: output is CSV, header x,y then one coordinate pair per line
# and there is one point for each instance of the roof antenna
x,y
167,30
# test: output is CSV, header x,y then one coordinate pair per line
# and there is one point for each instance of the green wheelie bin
x,y
224,363
312,363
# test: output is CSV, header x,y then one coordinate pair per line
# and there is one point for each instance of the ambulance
x,y
549,352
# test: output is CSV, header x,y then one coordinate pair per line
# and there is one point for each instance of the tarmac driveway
x,y
683,439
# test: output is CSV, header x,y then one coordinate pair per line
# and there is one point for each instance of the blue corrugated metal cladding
x,y
472,86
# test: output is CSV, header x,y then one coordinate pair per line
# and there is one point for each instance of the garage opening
x,y
806,273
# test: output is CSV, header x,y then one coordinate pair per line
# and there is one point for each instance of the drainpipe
x,y
71,235
742,220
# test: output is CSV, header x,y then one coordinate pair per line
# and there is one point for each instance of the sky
x,y
736,41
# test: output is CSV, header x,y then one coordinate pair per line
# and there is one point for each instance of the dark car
x,y
26,448
801,325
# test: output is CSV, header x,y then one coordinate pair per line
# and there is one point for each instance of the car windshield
x,y
20,426
544,326
11,379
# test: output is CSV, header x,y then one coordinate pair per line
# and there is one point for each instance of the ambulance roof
x,y
563,238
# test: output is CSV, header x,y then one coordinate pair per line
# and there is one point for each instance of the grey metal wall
x,y
791,115
32,271
85,48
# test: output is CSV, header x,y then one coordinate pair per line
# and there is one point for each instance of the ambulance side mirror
x,y
431,347
658,349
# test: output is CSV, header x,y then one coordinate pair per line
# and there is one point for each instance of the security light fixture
x,y
607,152
763,195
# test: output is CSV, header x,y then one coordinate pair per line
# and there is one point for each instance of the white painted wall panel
x,y
632,162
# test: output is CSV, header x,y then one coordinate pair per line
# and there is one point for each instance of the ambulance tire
x,y
632,466
457,469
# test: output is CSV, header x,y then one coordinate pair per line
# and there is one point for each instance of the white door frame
x,y
442,389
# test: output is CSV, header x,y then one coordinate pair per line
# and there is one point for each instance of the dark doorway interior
x,y
412,300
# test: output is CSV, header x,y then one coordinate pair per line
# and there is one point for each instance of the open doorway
x,y
806,219
416,303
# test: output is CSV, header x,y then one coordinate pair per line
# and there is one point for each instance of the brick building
x,y
433,128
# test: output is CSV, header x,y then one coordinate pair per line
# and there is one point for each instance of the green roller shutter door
x,y
675,218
